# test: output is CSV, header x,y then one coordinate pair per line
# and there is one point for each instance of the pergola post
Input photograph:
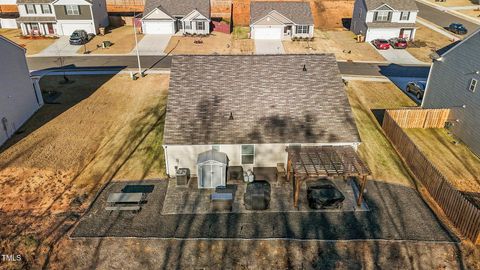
x,y
362,188
296,192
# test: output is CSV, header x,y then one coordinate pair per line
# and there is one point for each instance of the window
x,y
302,29
248,154
188,25
473,85
200,25
72,10
30,9
404,16
46,9
382,16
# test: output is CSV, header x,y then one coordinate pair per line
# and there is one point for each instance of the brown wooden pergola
x,y
325,161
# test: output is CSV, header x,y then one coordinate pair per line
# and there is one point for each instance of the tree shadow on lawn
x,y
69,94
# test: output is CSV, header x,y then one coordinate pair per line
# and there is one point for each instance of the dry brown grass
x,y
474,13
375,149
100,129
122,38
430,41
340,42
215,43
33,45
459,165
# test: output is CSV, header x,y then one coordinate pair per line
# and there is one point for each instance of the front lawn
x,y
122,39
33,45
426,42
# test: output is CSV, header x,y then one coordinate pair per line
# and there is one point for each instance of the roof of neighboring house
x,y
36,19
178,8
235,99
35,1
452,46
395,4
390,25
298,12
6,40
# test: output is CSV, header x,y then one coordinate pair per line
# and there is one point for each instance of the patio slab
x,y
191,200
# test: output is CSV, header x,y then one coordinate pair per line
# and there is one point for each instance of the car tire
x,y
407,89
419,96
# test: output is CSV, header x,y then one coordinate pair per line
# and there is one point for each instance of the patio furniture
x,y
235,173
125,201
222,201
257,195
323,194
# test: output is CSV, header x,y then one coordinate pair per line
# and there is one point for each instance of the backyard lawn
x,y
426,42
340,42
376,150
96,130
454,160
33,45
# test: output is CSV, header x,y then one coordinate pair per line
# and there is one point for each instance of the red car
x,y
398,43
381,44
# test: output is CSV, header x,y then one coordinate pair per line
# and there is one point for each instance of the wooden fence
x,y
463,214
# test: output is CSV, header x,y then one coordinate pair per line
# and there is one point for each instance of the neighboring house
x,y
280,20
168,17
245,107
20,96
61,17
384,19
454,82
8,14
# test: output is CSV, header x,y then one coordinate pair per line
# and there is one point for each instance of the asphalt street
x,y
442,18
164,62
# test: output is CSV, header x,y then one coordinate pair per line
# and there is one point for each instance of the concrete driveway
x,y
61,47
269,46
399,56
152,45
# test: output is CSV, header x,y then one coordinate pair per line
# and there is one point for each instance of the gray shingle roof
x,y
390,25
178,7
270,97
395,4
34,1
36,19
298,12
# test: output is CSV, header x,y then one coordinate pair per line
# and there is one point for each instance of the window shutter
x,y
65,9
389,16
375,15
79,12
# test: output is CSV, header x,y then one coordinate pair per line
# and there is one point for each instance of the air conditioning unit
x,y
183,176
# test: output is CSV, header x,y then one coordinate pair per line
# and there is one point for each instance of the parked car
x,y
398,43
457,28
80,37
417,88
381,44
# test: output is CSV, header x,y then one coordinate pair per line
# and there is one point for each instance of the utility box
x,y
183,176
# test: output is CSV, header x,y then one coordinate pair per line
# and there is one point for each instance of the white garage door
x,y
68,28
159,28
382,34
267,33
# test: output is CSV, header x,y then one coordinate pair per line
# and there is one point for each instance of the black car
x,y
457,28
79,37
417,88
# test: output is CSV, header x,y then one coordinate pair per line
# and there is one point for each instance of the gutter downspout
x,y
166,160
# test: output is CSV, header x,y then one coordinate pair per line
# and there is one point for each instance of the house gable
x,y
195,15
158,14
273,18
71,2
384,7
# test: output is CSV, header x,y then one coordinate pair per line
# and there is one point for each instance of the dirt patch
x,y
122,39
426,42
454,160
173,254
99,129
474,13
215,43
326,13
340,42
368,99
33,45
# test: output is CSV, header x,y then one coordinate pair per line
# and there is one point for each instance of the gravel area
x,y
396,212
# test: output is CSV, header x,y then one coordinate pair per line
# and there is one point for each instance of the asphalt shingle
x,y
270,98
395,4
178,8
298,12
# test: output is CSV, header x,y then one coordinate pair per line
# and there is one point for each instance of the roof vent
x,y
304,68
231,116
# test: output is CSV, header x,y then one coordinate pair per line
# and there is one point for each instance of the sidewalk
x,y
453,10
436,28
